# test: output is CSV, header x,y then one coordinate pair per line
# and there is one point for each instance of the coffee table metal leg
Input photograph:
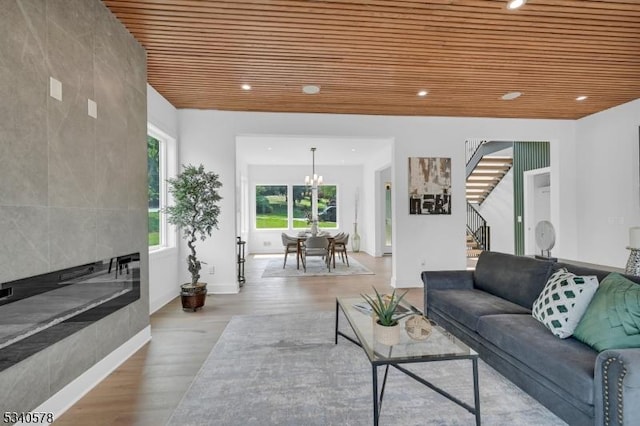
x,y
337,312
476,390
376,410
384,383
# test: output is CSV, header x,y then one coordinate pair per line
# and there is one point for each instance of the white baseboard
x,y
406,283
70,394
159,302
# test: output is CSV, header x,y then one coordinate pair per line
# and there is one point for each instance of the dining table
x,y
302,237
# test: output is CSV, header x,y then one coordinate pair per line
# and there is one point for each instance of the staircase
x,y
473,248
478,235
488,172
484,173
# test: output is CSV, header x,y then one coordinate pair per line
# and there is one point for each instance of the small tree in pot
x,y
196,210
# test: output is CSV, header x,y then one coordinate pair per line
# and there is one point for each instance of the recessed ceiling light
x,y
514,4
422,93
353,150
581,98
511,96
311,89
246,87
269,149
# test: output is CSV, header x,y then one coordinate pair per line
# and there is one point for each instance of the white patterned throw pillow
x,y
563,301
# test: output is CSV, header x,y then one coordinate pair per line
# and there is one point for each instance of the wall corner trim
x,y
70,394
395,283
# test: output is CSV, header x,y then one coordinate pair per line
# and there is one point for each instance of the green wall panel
x,y
526,156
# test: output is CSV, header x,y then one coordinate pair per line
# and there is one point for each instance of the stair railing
x,y
478,228
472,146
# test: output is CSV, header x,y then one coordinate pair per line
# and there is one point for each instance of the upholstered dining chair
x,y
290,246
340,243
316,246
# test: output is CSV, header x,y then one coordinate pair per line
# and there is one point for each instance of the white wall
x,y
436,241
497,210
208,138
347,179
164,264
608,191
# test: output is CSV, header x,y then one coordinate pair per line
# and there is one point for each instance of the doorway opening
x,y
537,204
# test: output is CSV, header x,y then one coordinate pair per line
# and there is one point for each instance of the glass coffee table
x,y
438,346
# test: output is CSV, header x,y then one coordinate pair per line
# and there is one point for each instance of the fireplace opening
x,y
38,311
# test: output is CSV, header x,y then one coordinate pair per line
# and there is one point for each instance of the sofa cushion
x,y
612,320
563,301
568,363
467,306
515,278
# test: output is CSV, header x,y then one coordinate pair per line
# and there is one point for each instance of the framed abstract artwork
x,y
429,185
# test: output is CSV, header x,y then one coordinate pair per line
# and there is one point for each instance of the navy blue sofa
x,y
490,310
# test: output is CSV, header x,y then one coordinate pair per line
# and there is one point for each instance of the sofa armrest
x,y
617,387
443,280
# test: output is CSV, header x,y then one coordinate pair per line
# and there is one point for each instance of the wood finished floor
x,y
146,388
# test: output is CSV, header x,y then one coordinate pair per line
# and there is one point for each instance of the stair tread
x,y
490,173
497,157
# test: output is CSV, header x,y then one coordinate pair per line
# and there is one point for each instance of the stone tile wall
x,y
73,189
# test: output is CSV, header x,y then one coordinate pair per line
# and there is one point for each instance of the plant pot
x,y
193,295
387,335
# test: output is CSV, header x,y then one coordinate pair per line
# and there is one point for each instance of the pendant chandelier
x,y
314,179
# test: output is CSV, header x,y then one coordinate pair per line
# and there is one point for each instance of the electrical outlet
x,y
212,270
266,243
92,108
55,88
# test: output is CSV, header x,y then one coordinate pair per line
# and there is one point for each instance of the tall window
x,y
327,206
301,206
161,164
277,209
154,149
271,207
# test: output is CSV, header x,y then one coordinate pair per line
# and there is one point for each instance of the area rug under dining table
x,y
315,268
286,370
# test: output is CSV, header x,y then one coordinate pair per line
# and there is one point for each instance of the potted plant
x,y
386,328
195,211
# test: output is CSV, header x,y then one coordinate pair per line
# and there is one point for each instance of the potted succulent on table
x,y
386,328
195,211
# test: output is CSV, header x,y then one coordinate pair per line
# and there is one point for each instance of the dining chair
x,y
340,243
290,246
316,246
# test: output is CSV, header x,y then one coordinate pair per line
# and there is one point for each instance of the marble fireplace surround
x,y
39,311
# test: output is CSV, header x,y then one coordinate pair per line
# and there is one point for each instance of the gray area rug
x,y
315,268
286,370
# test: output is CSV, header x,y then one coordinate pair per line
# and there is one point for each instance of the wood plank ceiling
x,y
372,57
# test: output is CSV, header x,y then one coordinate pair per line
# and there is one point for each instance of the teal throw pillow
x,y
612,320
